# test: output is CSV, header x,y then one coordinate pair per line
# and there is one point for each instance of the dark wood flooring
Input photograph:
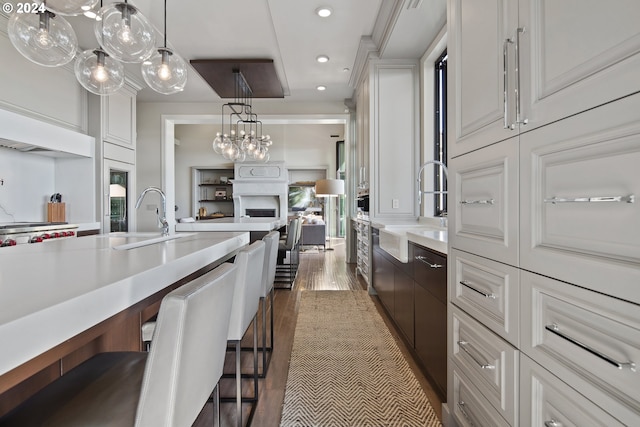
x,y
318,271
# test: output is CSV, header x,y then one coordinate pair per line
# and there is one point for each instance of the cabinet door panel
x,y
576,61
489,362
403,303
488,291
580,335
469,407
587,157
484,205
383,280
119,118
430,272
431,336
546,399
478,30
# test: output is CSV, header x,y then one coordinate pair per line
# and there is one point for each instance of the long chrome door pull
x,y
617,199
477,202
555,329
463,346
424,260
519,119
505,82
461,406
484,294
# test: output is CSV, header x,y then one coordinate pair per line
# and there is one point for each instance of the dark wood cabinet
x,y
403,303
383,277
414,295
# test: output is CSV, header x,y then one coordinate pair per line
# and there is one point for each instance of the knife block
x,y
56,212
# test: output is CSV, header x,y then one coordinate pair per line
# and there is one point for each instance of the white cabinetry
x,y
581,200
112,121
518,65
388,134
363,249
544,165
484,212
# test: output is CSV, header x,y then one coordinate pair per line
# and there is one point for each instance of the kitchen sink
x,y
395,239
127,241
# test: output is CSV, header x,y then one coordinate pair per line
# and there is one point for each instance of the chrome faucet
x,y
446,176
162,220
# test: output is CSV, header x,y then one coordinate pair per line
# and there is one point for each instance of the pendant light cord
x,y
165,24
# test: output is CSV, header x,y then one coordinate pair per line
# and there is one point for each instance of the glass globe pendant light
x,y
43,38
70,7
125,33
165,72
98,73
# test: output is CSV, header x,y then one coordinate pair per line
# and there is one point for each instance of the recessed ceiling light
x,y
345,69
322,58
323,12
321,87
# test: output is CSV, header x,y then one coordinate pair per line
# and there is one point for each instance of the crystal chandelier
x,y
241,137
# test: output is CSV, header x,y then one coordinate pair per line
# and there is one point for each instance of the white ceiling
x,y
290,33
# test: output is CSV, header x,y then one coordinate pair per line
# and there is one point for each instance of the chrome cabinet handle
x,y
555,329
616,199
519,118
505,82
424,260
484,294
552,423
463,346
477,202
461,406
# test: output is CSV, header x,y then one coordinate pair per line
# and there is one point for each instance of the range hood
x,y
29,135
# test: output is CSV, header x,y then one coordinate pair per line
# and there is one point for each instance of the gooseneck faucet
x,y
446,176
162,220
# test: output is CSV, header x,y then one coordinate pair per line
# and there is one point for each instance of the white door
x,y
482,99
576,55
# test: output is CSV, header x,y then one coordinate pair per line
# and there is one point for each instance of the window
x,y
440,136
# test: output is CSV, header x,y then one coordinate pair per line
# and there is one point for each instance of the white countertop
x,y
231,224
52,291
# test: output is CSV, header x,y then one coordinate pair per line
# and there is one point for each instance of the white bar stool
x,y
167,386
244,310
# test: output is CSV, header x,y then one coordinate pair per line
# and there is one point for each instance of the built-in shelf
x,y
206,183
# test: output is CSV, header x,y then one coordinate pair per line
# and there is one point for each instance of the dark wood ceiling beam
x,y
260,74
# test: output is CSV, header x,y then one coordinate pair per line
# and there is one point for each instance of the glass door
x,y
119,200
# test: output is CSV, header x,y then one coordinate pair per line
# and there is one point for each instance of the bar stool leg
x,y
238,387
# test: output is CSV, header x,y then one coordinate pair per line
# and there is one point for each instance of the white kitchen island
x,y
58,297
232,224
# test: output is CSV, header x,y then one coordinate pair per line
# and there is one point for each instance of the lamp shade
x,y
165,72
329,187
43,38
125,33
70,7
98,73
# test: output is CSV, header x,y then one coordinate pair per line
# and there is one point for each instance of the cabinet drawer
x,y
430,272
547,401
587,339
484,203
470,408
487,290
580,200
487,360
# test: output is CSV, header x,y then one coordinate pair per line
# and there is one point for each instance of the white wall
x,y
297,146
28,184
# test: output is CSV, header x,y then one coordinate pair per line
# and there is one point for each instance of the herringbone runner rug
x,y
346,370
